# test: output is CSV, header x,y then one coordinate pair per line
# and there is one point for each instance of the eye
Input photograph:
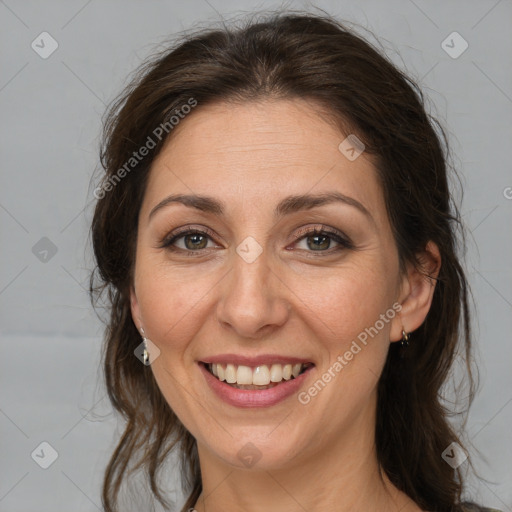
x,y
316,239
188,240
320,240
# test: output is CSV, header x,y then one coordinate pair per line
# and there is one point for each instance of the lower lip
x,y
253,397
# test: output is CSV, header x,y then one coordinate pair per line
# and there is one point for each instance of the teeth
x,y
230,374
243,375
258,376
276,373
261,376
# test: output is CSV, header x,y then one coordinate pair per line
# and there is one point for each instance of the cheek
x,y
345,319
170,307
170,302
345,302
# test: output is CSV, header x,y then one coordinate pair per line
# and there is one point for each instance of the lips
x,y
253,361
254,381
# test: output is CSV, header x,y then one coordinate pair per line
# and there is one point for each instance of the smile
x,y
259,377
254,382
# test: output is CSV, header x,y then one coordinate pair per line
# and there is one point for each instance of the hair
x,y
317,59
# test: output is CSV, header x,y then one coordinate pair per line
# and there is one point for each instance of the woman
x,y
277,239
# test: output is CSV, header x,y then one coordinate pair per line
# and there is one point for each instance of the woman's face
x,y
260,290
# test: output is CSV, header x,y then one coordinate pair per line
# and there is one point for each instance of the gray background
x,y
51,118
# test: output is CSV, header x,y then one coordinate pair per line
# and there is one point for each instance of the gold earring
x,y
405,338
146,353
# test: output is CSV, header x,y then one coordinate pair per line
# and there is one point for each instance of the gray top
x,y
473,507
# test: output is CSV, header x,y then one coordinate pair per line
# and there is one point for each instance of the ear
x,y
134,306
417,291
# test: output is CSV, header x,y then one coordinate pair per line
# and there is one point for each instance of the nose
x,y
253,300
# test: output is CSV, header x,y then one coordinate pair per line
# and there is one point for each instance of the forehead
x,y
262,150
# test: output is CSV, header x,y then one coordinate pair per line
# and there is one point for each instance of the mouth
x,y
259,377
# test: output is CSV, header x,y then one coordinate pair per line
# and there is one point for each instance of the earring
x,y
146,353
405,339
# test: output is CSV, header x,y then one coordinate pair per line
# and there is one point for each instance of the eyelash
x,y
343,241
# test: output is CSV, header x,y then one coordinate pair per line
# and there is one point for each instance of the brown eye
x,y
318,242
321,240
195,241
191,240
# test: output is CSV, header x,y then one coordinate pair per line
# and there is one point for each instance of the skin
x,y
292,300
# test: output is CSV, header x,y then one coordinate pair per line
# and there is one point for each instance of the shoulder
x,y
473,507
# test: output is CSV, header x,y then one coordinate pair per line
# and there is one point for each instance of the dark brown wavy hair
x,y
314,57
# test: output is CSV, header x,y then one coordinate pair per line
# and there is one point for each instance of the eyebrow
x,y
288,205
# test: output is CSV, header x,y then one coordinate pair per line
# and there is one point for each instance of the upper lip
x,y
254,361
